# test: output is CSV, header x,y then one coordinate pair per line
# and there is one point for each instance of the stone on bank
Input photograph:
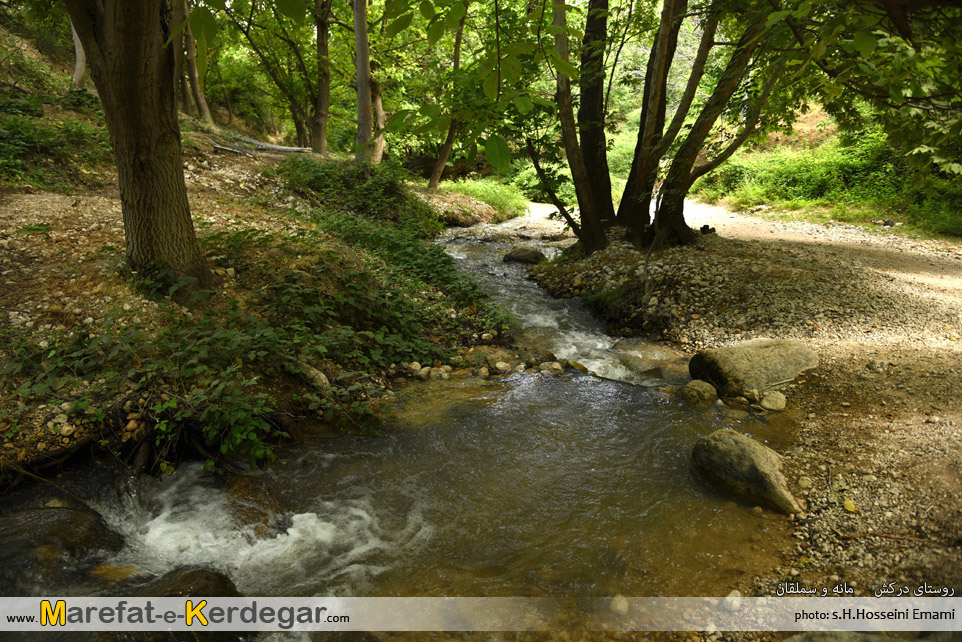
x,y
750,368
744,468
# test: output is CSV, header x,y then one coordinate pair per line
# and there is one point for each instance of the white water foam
x,y
337,549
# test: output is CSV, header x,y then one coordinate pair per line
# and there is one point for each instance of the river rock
x,y
424,373
552,367
752,366
524,254
75,531
186,581
698,391
744,468
774,401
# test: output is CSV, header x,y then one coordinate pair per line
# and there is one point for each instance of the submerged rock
x,y
186,581
524,254
743,467
753,366
70,530
698,391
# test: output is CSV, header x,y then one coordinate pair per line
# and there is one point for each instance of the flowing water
x,y
526,485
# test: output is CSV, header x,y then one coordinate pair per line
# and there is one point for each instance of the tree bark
x,y
592,234
80,61
362,80
133,71
591,109
380,121
195,89
445,152
633,212
300,126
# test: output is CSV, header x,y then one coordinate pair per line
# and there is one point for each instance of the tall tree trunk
x,y
195,88
592,232
230,109
322,105
80,61
362,80
133,71
448,145
180,77
591,109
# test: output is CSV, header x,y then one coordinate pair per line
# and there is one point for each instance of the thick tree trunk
x,y
80,62
195,89
322,105
591,109
133,71
448,145
362,80
300,126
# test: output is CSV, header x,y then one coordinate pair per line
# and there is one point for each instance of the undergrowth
x,y
51,153
507,199
343,186
853,178
345,297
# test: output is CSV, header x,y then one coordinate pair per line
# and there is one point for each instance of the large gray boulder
x,y
524,254
744,468
752,367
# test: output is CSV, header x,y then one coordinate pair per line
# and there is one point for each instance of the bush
x,y
507,199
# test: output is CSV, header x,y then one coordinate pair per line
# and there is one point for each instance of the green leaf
x,y
490,85
777,17
394,9
435,31
565,67
865,43
296,10
496,149
427,9
399,25
458,11
523,103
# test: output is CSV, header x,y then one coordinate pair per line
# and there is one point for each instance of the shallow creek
x,y
531,484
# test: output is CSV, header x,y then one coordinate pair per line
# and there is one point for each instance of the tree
x,y
196,82
133,71
80,61
365,105
448,144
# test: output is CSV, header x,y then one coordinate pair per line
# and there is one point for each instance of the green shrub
x,y
507,199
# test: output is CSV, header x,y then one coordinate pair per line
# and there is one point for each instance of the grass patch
x,y
506,198
853,179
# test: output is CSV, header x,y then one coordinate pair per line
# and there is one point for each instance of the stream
x,y
525,485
